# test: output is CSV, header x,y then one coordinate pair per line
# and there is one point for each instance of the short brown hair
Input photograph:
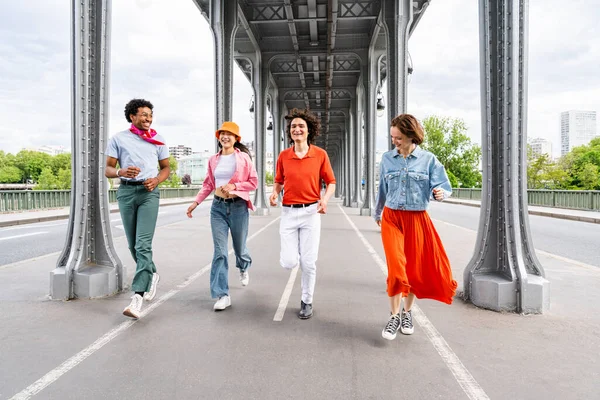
x,y
312,123
409,126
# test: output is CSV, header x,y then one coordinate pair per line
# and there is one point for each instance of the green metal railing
x,y
573,199
23,200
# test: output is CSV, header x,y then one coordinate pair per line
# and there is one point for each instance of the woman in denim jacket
x,y
417,263
231,175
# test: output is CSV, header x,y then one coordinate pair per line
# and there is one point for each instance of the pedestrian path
x,y
259,349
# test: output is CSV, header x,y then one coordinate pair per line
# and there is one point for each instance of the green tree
x,y
447,139
47,180
174,181
173,164
60,161
32,163
269,178
589,177
63,179
10,174
577,165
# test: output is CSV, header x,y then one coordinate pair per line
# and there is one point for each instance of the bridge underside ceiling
x,y
315,50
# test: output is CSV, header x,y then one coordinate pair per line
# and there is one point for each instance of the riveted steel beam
x,y
88,265
504,273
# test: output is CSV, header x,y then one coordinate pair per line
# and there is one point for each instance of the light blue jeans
x,y
225,217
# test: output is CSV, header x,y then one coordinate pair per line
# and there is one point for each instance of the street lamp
x,y
380,104
251,108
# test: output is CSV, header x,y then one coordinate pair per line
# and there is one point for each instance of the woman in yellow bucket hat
x,y
231,176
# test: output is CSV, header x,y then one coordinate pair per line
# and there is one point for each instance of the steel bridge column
x,y
88,266
397,16
260,78
504,273
347,159
223,23
353,136
370,130
276,112
358,147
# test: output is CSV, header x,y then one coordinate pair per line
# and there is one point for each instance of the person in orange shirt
x,y
300,170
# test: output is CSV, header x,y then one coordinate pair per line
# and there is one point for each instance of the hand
x,y
438,194
130,172
322,207
191,208
151,183
378,223
273,199
227,188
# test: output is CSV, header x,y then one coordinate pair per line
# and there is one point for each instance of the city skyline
x,y
178,77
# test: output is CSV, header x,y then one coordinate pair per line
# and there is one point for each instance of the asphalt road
x,y
571,239
23,242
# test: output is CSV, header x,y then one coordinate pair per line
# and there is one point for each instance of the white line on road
x,y
72,362
24,235
34,226
285,297
462,375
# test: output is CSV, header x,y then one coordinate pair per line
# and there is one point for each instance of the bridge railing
x,y
23,200
573,199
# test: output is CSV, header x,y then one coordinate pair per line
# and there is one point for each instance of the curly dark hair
x,y
312,123
133,106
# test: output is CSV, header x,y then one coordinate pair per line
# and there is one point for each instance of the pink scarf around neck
x,y
146,135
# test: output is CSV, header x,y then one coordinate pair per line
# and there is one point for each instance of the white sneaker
x,y
149,295
222,303
134,308
244,278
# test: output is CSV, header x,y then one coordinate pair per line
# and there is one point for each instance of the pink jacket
x,y
244,178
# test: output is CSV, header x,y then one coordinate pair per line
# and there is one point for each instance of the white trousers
x,y
300,232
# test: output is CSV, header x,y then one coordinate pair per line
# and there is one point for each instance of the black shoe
x,y
406,327
391,328
306,310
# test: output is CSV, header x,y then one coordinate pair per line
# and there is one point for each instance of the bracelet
x,y
118,169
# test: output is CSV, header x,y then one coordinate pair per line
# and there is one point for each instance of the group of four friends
x,y
410,176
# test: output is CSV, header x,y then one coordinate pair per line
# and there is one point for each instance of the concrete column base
x,y
354,204
365,212
494,292
261,212
89,282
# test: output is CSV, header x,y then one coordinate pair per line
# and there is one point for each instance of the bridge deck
x,y
181,349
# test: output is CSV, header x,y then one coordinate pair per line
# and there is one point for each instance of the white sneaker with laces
x,y
222,303
134,308
244,278
149,295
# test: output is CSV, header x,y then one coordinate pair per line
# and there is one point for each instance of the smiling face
x,y
402,142
143,119
299,130
227,139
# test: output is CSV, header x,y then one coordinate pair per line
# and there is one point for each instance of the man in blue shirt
x,y
139,150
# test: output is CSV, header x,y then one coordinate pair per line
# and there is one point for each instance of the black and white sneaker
x,y
406,327
391,328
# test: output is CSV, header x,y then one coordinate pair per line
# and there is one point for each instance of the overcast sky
x,y
163,51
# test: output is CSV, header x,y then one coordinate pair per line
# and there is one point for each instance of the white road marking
x,y
285,297
34,226
72,362
464,378
24,235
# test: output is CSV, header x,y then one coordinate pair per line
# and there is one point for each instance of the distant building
x,y
51,150
541,146
180,151
194,165
577,128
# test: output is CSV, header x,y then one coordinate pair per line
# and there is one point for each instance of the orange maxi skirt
x,y
416,260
